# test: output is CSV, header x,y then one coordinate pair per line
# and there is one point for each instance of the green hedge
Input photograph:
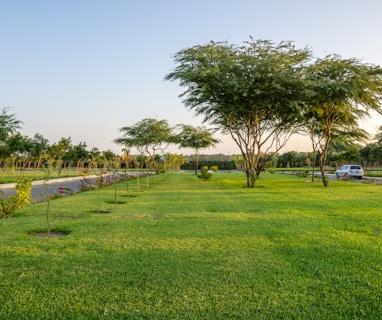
x,y
222,165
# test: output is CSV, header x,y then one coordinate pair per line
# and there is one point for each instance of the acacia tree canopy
x,y
254,92
195,138
344,91
148,136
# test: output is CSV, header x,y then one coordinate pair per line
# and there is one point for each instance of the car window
x,y
355,167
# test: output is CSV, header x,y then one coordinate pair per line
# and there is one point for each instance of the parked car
x,y
350,170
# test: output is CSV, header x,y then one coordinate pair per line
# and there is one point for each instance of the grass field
x,y
191,249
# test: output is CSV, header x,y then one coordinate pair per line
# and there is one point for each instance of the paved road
x,y
42,188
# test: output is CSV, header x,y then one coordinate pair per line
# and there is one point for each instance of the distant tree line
x,y
20,152
221,162
341,151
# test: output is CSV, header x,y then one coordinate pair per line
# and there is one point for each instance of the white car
x,y
350,170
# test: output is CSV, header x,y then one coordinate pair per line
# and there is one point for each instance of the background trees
x,y
148,136
195,138
8,124
8,127
343,92
254,92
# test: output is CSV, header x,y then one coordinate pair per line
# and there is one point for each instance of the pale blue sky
x,y
85,68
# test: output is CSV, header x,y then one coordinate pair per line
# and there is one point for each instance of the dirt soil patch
x,y
52,234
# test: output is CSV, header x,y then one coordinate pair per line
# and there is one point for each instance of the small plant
x,y
205,174
86,184
6,209
22,198
304,173
214,168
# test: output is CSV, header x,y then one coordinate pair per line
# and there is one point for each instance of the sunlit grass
x,y
185,248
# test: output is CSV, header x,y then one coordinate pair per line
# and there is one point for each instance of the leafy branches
x,y
148,136
254,92
9,205
343,91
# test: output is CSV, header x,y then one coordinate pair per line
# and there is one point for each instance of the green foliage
x,y
195,137
344,91
8,124
205,174
221,164
6,208
23,193
253,91
214,168
148,136
22,198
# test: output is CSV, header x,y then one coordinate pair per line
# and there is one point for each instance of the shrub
x,y
205,174
21,199
222,165
214,168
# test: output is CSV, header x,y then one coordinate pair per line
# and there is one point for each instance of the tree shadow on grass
x,y
55,233
100,211
113,202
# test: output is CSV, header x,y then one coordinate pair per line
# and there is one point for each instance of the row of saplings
x,y
23,188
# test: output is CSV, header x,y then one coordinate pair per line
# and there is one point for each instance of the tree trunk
x,y
314,165
196,163
251,177
325,181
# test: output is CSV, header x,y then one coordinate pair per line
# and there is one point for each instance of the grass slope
x,y
191,249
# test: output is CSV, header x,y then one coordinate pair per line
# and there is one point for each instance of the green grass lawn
x,y
191,249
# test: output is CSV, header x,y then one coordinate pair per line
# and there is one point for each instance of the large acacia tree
x,y
148,136
343,92
195,138
253,92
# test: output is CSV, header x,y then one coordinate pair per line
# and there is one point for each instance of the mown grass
x,y
191,249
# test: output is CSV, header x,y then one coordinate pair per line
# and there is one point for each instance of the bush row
x,y
222,165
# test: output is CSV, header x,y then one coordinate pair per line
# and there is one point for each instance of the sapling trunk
x,y
48,216
115,191
137,177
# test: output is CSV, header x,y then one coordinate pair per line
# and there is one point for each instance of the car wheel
x,y
337,176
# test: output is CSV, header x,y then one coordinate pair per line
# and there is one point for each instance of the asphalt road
x,y
41,188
